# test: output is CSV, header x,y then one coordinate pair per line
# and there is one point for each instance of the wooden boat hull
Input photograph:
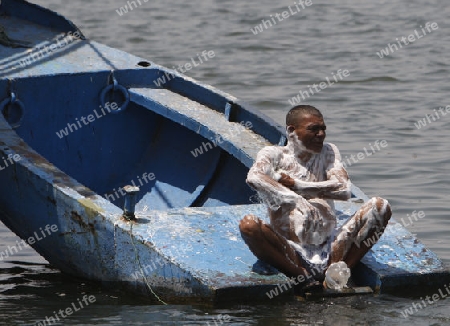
x,y
187,146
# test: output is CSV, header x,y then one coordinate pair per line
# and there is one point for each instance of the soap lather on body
x,y
299,183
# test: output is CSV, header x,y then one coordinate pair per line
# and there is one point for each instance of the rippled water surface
x,y
381,99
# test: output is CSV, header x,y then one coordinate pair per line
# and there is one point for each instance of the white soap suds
x,y
301,214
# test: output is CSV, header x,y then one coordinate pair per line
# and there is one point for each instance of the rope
x,y
7,41
141,269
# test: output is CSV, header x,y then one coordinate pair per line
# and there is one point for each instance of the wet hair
x,y
294,114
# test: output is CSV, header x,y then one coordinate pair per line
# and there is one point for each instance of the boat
x,y
114,179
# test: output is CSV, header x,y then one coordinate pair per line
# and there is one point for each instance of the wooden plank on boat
x,y
330,293
237,140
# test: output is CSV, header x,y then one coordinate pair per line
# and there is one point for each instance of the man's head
x,y
306,122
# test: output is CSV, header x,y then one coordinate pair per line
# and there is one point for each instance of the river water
x,y
380,97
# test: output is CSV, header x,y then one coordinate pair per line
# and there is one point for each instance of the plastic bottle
x,y
337,275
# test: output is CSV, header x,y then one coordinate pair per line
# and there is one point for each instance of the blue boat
x,y
117,180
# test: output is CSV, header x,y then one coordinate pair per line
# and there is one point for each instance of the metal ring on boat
x,y
115,87
5,107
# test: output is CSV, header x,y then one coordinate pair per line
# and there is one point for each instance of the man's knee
x,y
383,208
249,224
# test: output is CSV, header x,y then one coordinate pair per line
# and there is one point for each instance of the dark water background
x,y
381,99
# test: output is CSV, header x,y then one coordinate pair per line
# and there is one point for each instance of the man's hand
x,y
287,181
329,189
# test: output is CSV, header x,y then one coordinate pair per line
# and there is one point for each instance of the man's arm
x,y
344,192
337,186
263,178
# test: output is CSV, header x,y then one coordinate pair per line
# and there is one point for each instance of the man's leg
x,y
270,247
361,232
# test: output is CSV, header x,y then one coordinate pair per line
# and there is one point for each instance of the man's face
x,y
310,131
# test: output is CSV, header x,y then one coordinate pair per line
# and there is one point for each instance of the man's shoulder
x,y
270,153
272,150
330,152
330,147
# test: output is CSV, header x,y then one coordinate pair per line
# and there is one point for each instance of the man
x,y
299,182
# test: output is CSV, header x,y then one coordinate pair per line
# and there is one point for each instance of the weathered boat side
x,y
94,241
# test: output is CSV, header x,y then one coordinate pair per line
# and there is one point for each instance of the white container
x,y
337,275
